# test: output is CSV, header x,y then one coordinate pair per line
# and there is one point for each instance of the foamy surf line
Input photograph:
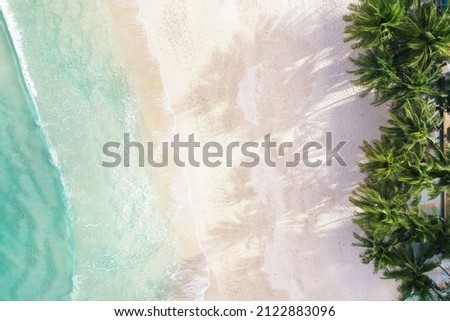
x,y
18,41
16,38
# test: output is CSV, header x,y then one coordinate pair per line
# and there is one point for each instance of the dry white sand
x,y
235,71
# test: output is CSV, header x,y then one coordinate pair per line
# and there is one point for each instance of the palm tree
x,y
377,72
386,73
440,171
405,172
373,22
417,82
419,226
393,217
440,244
385,162
381,253
403,42
411,124
416,260
426,34
417,174
381,216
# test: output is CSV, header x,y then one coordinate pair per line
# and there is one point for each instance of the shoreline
x,y
157,121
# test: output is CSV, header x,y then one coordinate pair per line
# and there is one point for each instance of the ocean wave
x,y
15,35
15,41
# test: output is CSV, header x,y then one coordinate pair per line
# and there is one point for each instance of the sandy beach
x,y
157,124
236,71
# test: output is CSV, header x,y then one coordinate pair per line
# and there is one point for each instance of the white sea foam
x,y
133,190
16,38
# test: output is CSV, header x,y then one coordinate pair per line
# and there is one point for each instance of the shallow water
x,y
73,229
36,248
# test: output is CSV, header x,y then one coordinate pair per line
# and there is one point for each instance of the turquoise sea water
x,y
36,250
71,229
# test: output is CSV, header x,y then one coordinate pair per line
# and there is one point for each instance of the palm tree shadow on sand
x,y
293,225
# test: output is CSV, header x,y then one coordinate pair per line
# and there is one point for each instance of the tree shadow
x,y
291,82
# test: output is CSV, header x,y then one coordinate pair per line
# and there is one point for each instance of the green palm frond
x,y
389,78
411,125
384,160
376,72
371,22
426,34
403,44
380,216
417,260
381,253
